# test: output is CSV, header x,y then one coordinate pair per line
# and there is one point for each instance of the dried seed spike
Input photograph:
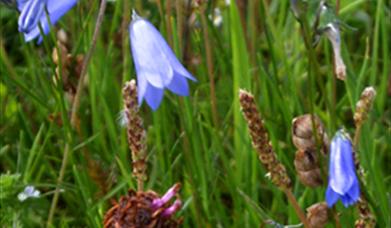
x,y
366,218
135,130
364,105
260,141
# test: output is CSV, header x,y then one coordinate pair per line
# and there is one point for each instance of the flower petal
x,y
30,15
352,195
142,85
148,54
179,85
341,165
153,96
176,65
56,9
331,196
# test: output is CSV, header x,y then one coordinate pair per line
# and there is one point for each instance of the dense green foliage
x,y
258,47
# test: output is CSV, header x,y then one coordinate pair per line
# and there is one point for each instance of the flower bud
x,y
317,215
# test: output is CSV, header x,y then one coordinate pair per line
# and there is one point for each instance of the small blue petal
x,y
30,15
153,96
55,9
142,85
179,85
331,197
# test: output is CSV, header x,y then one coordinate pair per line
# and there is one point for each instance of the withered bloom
x,y
306,140
303,135
318,215
144,209
307,167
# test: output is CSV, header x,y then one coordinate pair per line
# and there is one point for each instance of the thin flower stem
x,y
336,217
299,212
168,23
337,6
209,62
75,107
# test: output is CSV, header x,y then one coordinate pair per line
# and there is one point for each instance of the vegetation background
x,y
201,140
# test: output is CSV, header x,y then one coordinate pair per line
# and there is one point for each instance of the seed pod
x,y
306,160
311,178
303,136
306,164
317,215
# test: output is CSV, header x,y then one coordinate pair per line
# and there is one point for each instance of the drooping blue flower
x,y
343,182
32,14
156,65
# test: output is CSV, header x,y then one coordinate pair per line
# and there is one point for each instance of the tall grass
x,y
258,47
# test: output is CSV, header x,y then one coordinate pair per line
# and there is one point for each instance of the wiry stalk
x,y
75,108
209,62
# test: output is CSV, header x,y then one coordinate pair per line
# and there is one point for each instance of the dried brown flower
x,y
318,215
303,136
308,142
307,167
138,210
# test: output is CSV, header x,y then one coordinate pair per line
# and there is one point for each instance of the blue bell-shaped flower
x,y
156,65
343,182
32,14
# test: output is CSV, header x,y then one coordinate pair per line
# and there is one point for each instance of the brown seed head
x,y
303,135
366,218
135,129
317,215
260,141
364,105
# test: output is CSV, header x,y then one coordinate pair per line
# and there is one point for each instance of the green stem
x,y
75,108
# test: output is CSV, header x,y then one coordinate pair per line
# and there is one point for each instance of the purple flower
x,y
33,14
156,65
343,182
159,202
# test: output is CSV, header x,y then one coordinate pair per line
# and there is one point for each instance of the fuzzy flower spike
x,y
156,65
32,16
343,182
